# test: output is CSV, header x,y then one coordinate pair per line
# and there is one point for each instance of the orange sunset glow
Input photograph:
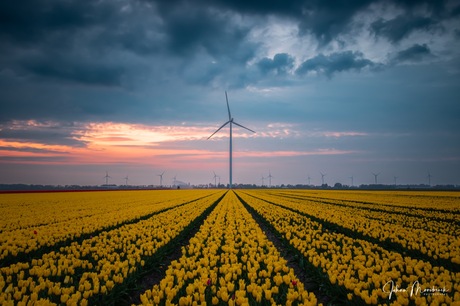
x,y
165,147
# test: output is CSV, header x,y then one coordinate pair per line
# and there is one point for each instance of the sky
x,y
347,89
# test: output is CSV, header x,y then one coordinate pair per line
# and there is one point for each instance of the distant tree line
x,y
337,186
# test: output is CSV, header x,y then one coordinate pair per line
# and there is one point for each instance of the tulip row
x,y
229,261
31,221
435,238
431,204
93,267
369,272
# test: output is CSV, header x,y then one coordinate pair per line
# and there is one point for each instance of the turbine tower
x,y
322,177
161,179
126,180
309,178
231,122
215,179
395,177
107,177
269,179
351,177
429,176
262,179
375,176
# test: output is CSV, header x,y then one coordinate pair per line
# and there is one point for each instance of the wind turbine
x,y
395,177
107,177
175,180
215,179
351,177
269,179
322,177
126,180
429,176
375,176
309,178
161,179
231,122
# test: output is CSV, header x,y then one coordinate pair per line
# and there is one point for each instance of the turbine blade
x,y
243,127
228,107
219,129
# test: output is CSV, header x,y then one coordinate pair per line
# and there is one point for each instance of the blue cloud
x,y
415,53
280,64
400,27
336,62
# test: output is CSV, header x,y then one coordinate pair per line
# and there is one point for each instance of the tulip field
x,y
230,247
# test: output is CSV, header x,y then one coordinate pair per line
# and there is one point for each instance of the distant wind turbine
x,y
126,180
231,122
395,177
262,179
309,178
375,176
322,177
215,179
351,177
107,177
269,179
429,176
161,178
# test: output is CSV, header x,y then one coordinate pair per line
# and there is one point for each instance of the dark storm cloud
x,y
37,20
280,64
180,27
455,11
82,46
336,62
54,39
118,60
187,24
48,133
413,54
400,27
325,20
190,28
79,70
